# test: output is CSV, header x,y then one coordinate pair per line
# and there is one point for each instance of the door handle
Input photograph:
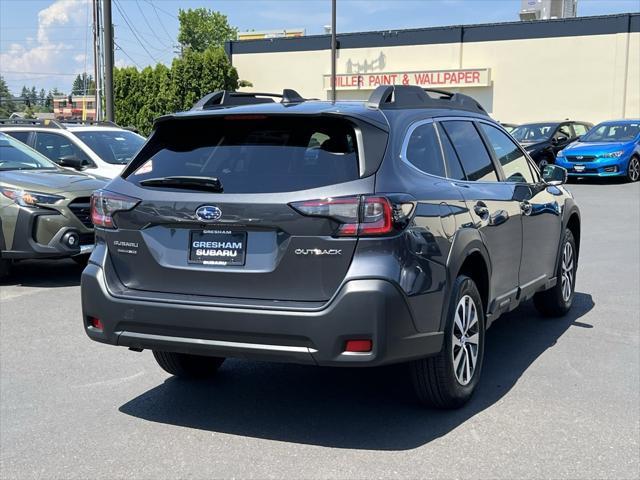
x,y
481,210
526,207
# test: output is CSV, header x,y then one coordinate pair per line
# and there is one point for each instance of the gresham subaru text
x,y
337,234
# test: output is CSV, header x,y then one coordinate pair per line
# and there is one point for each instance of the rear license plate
x,y
579,168
217,247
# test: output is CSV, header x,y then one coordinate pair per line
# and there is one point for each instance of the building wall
x,y
590,77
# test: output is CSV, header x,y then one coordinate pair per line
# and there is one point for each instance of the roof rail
x,y
103,123
40,122
411,96
229,98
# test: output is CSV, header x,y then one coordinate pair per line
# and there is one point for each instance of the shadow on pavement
x,y
44,273
353,408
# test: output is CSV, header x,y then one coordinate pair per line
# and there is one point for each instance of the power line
x,y
124,17
38,73
161,9
144,17
127,55
171,39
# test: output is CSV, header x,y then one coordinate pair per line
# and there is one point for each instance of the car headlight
x,y
26,198
616,154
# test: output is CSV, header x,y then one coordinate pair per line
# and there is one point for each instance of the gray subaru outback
x,y
342,234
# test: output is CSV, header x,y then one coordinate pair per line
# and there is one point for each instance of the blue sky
x,y
47,42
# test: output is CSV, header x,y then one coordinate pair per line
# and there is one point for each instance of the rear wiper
x,y
208,184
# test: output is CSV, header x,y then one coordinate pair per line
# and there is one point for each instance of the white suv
x,y
102,149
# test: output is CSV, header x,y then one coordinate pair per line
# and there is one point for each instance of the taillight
x,y
357,216
105,204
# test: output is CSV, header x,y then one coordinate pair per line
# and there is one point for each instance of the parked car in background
x,y
100,148
509,127
610,149
336,234
543,140
44,209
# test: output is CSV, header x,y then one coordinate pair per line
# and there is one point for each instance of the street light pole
x,y
108,59
333,50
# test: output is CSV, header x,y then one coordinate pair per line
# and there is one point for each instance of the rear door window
x,y
55,146
423,150
471,151
454,167
20,135
253,154
514,163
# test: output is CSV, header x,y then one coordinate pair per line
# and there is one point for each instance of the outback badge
x,y
208,213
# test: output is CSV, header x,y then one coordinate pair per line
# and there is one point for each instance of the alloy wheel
x,y
465,340
567,271
634,169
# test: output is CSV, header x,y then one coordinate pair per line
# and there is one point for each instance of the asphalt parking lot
x,y
558,398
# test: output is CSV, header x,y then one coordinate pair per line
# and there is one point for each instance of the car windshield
x,y
612,132
15,155
113,146
534,132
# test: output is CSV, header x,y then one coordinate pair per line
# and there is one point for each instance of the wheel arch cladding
x,y
475,267
574,225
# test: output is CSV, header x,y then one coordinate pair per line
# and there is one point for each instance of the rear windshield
x,y
255,154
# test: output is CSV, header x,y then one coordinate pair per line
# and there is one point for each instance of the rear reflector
x,y
96,323
358,346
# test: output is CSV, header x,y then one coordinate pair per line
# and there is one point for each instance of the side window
x,y
54,146
580,129
454,168
471,150
423,150
514,163
21,136
564,131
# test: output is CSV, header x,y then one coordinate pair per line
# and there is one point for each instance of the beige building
x,y
585,68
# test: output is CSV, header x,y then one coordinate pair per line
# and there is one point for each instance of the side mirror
x,y
559,139
554,175
72,161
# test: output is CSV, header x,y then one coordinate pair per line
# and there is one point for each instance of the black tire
x,y
188,366
544,161
553,302
633,169
5,266
81,259
434,379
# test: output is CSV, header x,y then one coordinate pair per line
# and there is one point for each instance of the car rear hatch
x,y
224,206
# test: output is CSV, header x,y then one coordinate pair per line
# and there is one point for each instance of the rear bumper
x,y
363,309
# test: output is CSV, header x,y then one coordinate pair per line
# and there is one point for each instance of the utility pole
x,y
108,59
97,73
333,50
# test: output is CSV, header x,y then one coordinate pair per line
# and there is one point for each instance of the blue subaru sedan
x,y
608,149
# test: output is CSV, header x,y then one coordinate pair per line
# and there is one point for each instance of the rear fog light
x,y
96,323
359,346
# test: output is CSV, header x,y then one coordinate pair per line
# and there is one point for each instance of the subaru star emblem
x,y
208,213
579,157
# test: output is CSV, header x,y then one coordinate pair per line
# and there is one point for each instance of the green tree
x,y
7,105
142,96
28,112
82,82
198,73
201,28
42,96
